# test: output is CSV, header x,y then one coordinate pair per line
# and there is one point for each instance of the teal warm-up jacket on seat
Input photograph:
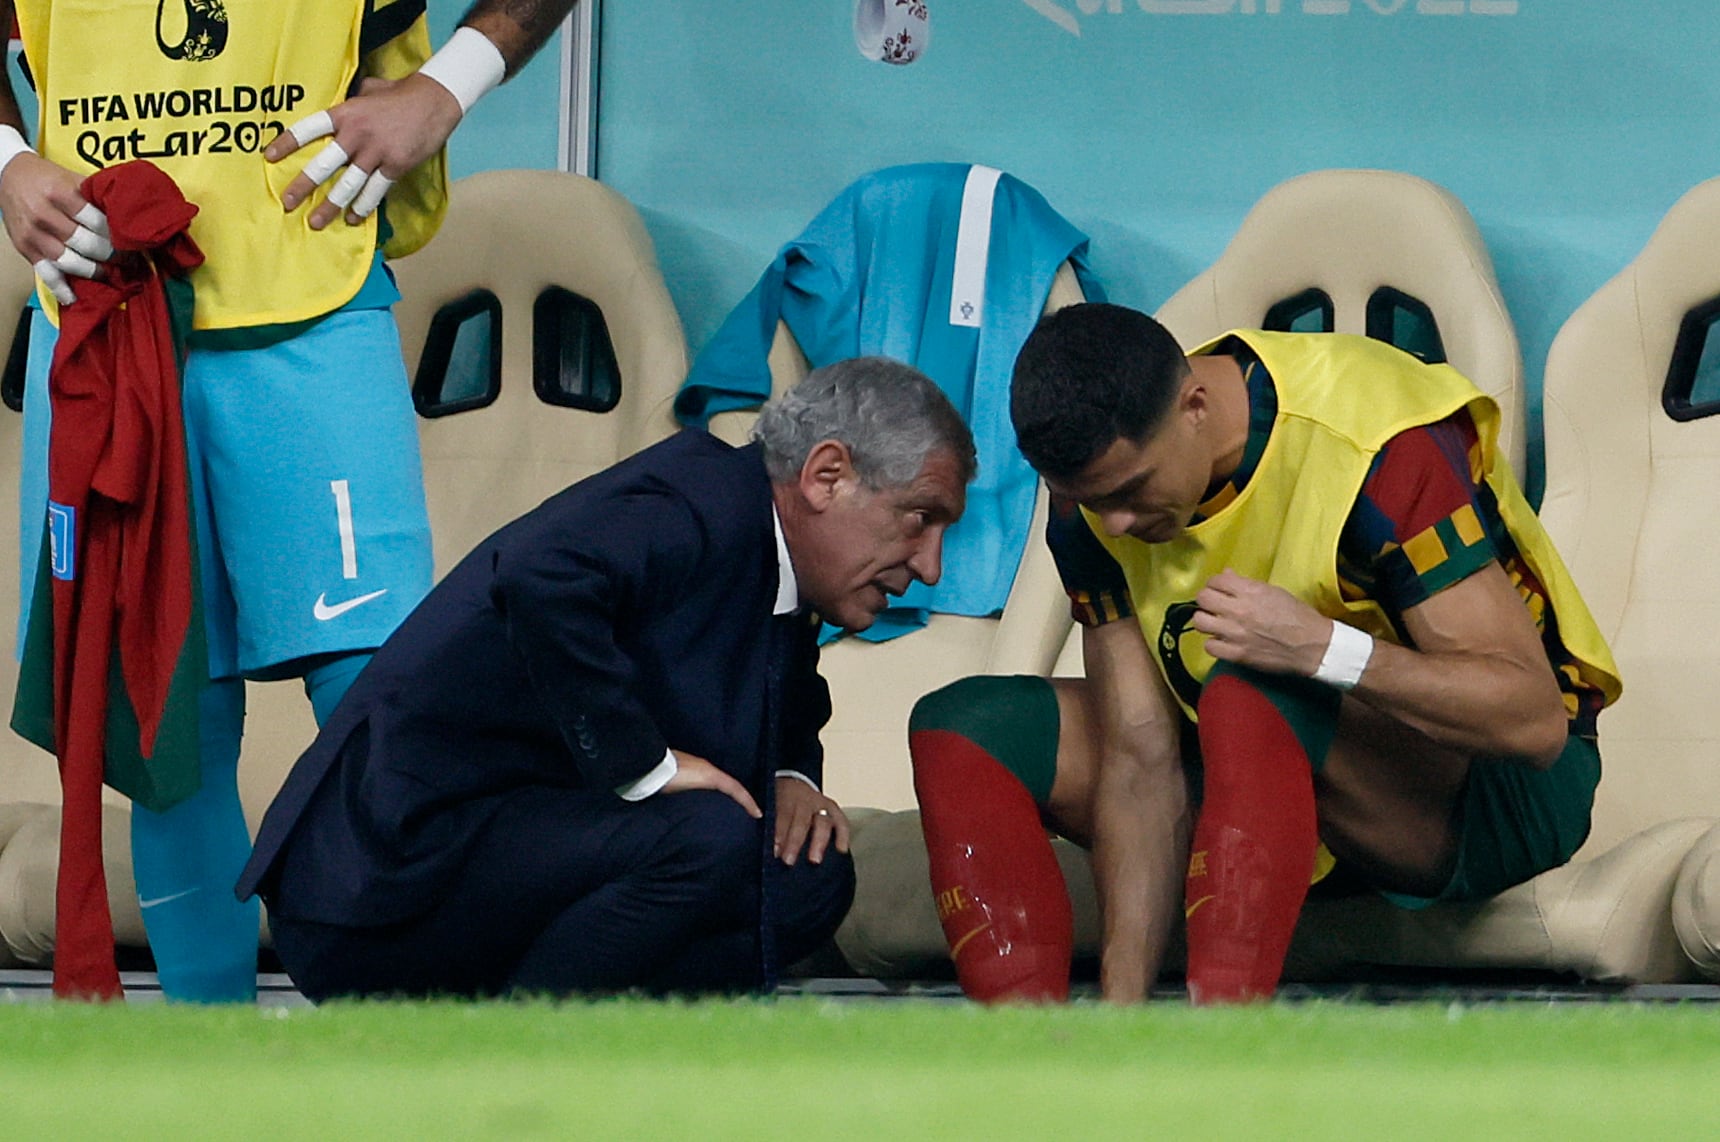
x,y
872,275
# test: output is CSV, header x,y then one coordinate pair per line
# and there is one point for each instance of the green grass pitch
x,y
886,1071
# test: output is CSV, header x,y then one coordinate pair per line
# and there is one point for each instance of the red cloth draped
x,y
122,571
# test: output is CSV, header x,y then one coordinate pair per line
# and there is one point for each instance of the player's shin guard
x,y
186,861
978,747
1261,739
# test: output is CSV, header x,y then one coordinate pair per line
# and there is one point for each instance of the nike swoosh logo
x,y
1189,911
955,948
324,612
159,900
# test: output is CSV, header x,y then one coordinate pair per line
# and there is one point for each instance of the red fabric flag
x,y
120,519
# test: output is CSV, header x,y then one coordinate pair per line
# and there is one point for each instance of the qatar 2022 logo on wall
x,y
205,33
1066,14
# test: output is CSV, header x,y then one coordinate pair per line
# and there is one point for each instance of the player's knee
x,y
952,707
1309,708
1287,691
1012,718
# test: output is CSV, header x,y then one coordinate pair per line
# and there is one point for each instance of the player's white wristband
x,y
468,65
12,145
1346,657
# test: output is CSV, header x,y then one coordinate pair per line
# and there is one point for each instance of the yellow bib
x,y
199,87
1340,399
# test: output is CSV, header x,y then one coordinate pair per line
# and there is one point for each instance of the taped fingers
x,y
91,216
326,161
75,264
348,187
55,281
371,197
358,191
90,244
311,128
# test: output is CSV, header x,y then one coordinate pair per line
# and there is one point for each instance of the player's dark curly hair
x,y
1090,375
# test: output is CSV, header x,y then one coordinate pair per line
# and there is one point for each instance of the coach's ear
x,y
827,473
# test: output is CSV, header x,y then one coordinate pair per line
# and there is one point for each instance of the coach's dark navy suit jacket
x,y
629,613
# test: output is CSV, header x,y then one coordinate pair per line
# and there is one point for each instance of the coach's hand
x,y
385,130
1259,625
806,817
697,773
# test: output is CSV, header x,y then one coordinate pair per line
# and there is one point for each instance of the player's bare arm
x,y
1140,812
47,220
518,28
391,126
1477,678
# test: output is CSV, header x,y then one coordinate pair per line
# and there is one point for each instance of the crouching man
x,y
1322,623
589,761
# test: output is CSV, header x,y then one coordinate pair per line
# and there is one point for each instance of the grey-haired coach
x,y
589,761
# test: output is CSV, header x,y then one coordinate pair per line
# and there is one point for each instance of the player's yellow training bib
x,y
1340,399
200,87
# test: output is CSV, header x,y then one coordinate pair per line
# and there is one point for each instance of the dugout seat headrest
x,y
1383,253
1632,412
543,345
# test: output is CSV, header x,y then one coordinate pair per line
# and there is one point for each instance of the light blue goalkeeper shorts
x,y
307,490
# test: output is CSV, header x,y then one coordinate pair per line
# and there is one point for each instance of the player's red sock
x,y
1000,894
1254,843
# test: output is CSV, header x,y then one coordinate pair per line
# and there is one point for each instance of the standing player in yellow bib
x,y
1306,551
307,492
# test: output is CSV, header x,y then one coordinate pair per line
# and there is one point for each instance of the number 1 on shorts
x,y
348,545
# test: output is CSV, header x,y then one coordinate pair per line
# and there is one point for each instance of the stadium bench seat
x,y
551,273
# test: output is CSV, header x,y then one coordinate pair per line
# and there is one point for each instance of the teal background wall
x,y
518,124
1567,127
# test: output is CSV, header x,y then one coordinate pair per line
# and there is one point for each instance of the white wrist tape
x,y
1346,657
12,145
468,65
